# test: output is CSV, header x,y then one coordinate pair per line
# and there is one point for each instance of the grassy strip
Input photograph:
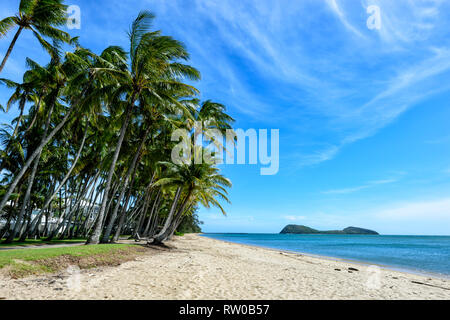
x,y
39,242
24,262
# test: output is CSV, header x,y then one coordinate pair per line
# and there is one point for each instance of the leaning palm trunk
x,y
177,222
86,224
11,46
19,119
63,182
26,199
19,224
152,213
32,230
161,236
95,236
156,220
178,217
68,215
142,212
38,107
24,226
5,230
30,160
111,198
130,171
113,217
124,208
140,220
123,215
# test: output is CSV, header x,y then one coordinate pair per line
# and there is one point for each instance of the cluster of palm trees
x,y
90,153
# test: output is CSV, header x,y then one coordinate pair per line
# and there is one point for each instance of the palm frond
x,y
140,26
6,25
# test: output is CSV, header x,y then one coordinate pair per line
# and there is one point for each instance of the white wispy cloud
x,y
346,190
369,184
315,87
438,209
318,156
341,15
407,21
311,67
439,140
294,218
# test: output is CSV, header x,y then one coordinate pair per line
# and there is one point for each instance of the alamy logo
x,y
374,21
74,17
374,278
73,282
210,146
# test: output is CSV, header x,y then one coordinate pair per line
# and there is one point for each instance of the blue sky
x,y
363,114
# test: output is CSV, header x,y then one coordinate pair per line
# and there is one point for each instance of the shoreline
x,y
195,267
418,272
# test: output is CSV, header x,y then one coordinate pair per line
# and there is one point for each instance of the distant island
x,y
296,229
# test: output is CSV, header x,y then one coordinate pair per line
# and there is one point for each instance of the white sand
x,y
202,268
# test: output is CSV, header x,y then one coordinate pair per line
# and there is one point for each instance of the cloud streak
x,y
341,15
327,81
268,62
370,184
437,210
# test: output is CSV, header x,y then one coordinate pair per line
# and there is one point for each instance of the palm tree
x,y
213,116
57,78
23,93
91,152
154,71
40,17
202,182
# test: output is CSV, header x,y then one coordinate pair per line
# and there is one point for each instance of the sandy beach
x,y
195,267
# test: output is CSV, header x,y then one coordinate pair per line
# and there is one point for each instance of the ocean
x,y
419,254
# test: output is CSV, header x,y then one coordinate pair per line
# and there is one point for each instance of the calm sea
x,y
424,254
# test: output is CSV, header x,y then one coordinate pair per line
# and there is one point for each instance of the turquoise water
x,y
429,254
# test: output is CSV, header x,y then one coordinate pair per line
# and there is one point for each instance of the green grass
x,y
8,256
23,262
38,242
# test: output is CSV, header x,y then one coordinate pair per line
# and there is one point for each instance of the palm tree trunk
x,y
11,46
6,228
178,217
178,222
32,157
32,229
140,220
107,233
68,215
156,220
123,214
124,208
19,222
44,232
21,108
63,182
152,212
160,237
111,197
95,236
38,106
92,203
